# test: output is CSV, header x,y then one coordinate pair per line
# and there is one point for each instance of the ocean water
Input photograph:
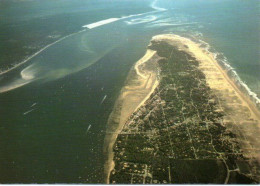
x,y
64,62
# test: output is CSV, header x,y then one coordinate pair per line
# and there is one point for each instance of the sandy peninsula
x,y
240,114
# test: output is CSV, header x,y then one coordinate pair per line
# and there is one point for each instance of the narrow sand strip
x,y
140,84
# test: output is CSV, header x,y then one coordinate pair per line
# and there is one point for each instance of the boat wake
x,y
103,99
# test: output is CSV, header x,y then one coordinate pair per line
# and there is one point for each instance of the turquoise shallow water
x,y
54,106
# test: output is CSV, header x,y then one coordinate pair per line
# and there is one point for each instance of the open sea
x,y
64,62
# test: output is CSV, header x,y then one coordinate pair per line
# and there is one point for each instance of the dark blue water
x,y
54,106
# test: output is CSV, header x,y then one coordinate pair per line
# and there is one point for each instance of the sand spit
x,y
242,116
140,84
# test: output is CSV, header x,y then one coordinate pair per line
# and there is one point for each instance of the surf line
x,y
38,52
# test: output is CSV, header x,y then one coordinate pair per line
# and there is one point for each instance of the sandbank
x,y
142,80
